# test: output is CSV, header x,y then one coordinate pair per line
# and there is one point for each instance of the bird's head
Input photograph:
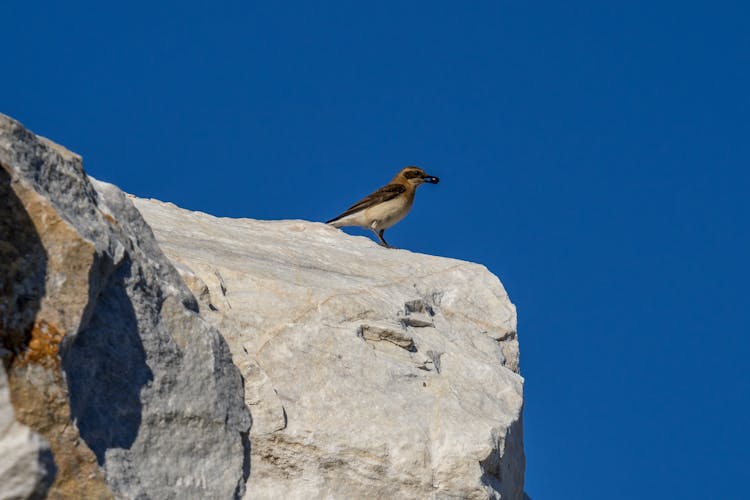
x,y
415,176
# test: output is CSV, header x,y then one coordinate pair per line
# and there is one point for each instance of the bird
x,y
386,206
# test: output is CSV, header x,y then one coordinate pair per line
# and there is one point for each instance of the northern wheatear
x,y
386,206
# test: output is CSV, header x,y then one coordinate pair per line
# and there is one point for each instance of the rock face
x,y
26,465
369,372
105,352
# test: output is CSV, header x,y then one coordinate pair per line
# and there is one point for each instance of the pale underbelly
x,y
387,214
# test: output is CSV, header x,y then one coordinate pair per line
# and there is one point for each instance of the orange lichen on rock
x,y
110,219
40,400
43,347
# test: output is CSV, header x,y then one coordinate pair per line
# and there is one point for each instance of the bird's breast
x,y
390,212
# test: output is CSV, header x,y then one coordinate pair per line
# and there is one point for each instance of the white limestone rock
x,y
369,372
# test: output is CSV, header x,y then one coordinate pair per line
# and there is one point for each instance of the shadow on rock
x,y
105,367
504,470
23,268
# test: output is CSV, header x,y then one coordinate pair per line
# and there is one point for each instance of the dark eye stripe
x,y
410,174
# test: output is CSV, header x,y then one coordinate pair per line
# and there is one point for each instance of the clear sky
x,y
594,155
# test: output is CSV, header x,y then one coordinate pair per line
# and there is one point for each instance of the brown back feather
x,y
382,195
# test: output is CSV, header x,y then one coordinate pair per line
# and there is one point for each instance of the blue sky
x,y
592,154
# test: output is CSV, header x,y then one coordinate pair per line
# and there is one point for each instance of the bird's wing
x,y
380,196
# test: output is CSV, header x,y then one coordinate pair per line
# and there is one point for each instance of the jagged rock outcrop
x,y
106,354
370,373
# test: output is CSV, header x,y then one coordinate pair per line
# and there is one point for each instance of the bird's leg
x,y
379,234
381,241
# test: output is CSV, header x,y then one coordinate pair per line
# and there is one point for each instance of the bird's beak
x,y
431,179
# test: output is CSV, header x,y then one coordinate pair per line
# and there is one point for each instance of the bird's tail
x,y
335,222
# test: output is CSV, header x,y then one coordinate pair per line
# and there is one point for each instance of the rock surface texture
x,y
370,373
106,354
26,465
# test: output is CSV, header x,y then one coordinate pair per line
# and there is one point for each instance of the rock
x,y
106,353
369,372
26,466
